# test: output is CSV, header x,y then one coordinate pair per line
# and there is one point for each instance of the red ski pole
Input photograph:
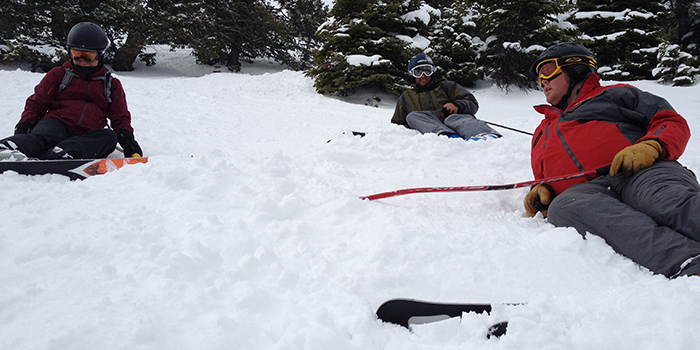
x,y
596,172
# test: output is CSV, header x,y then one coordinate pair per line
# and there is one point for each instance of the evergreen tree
x,y
678,61
302,18
367,46
35,31
133,24
235,30
675,66
454,44
514,32
625,35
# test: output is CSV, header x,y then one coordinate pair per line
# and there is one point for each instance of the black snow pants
x,y
52,139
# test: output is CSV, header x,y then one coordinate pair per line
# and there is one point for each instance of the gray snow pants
x,y
651,217
465,125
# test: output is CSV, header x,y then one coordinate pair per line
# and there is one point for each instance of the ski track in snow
x,y
245,231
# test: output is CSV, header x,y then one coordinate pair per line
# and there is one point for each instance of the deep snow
x,y
245,231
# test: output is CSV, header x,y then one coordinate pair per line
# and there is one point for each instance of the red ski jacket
x,y
82,104
602,121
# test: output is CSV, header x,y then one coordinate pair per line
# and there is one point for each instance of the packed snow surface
x,y
245,230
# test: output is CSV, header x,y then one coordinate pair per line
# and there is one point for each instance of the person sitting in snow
x,y
647,207
66,117
439,106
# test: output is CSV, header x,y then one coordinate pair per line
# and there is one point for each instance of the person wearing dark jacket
x,y
647,207
67,115
439,106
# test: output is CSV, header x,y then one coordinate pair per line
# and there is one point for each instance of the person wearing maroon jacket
x,y
647,207
67,115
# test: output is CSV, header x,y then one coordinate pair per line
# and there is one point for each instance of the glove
x,y
448,109
538,199
130,146
23,128
634,158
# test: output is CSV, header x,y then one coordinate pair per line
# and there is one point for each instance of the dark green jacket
x,y
432,98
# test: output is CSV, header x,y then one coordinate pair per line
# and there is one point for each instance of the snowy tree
x,y
454,44
514,32
677,54
34,31
302,18
220,32
686,31
368,44
625,35
234,30
675,66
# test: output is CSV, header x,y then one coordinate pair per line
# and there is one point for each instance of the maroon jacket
x,y
602,121
82,105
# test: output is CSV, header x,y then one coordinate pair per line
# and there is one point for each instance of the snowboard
x,y
75,169
405,312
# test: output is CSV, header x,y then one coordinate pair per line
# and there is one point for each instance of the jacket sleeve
x,y
118,113
401,111
461,97
665,124
44,94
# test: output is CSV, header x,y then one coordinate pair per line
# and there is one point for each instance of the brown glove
x,y
539,194
636,157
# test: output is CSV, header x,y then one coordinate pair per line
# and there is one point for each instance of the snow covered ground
x,y
245,230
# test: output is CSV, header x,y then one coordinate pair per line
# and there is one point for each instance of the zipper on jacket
x,y
87,101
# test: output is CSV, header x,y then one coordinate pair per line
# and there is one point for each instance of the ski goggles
x,y
551,68
423,69
84,56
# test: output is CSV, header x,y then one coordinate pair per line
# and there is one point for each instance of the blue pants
x,y
651,217
52,139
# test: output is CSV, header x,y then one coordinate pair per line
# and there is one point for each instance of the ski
x,y
405,312
75,169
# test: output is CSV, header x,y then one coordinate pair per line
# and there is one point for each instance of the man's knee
x,y
560,210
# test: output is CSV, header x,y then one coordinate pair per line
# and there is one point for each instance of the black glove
x,y
23,128
130,146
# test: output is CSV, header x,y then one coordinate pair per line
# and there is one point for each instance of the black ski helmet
x,y
570,55
87,36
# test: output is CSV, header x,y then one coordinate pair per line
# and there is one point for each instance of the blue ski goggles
x,y
423,69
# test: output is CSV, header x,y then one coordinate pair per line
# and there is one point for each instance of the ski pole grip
x,y
604,170
539,206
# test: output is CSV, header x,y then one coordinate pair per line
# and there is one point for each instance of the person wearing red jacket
x,y
67,115
647,207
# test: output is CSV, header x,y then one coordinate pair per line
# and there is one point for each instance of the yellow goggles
x,y
549,71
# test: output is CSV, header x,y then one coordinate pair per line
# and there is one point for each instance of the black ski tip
x,y
392,312
401,311
361,134
497,330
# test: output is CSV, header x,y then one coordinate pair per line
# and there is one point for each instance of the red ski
x,y
75,169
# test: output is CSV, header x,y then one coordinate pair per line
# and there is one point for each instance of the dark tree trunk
x,y
126,55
